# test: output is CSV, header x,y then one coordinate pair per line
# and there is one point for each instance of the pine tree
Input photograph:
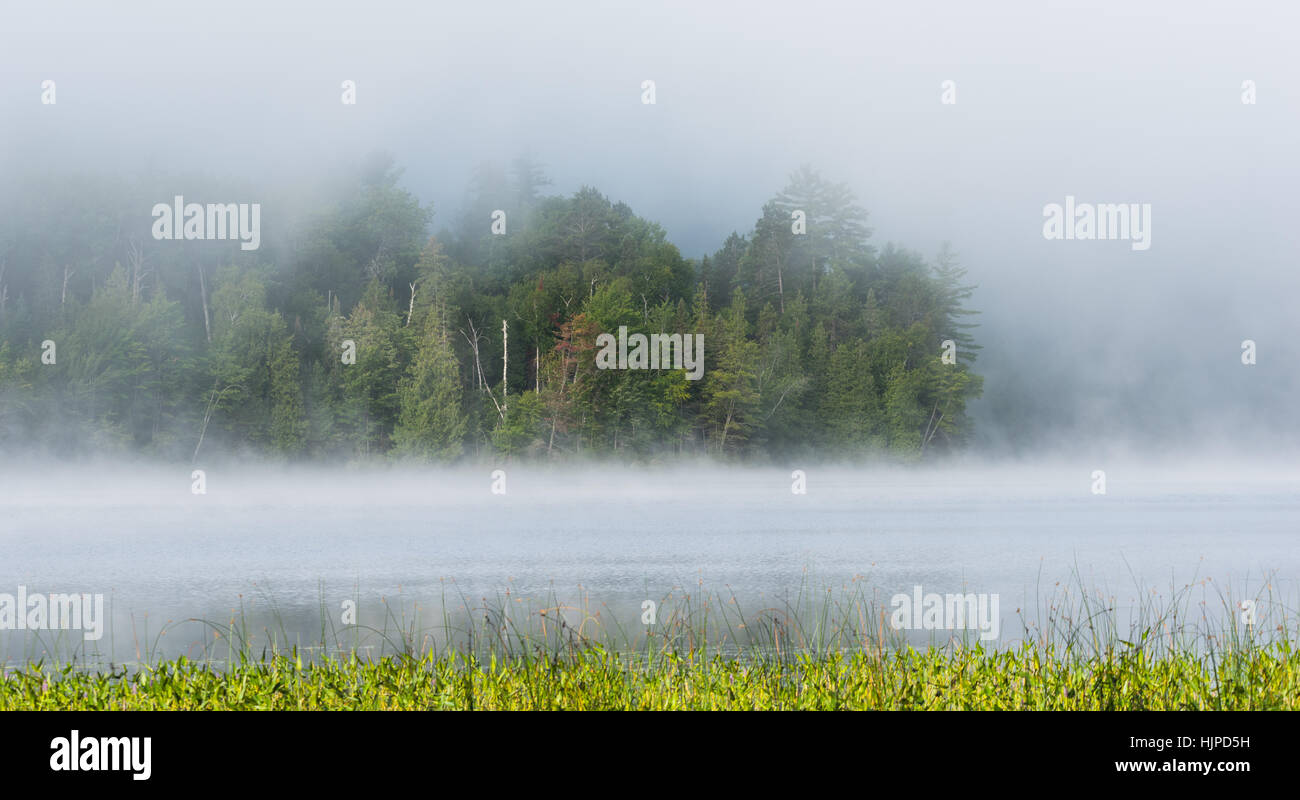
x,y
953,293
288,425
431,423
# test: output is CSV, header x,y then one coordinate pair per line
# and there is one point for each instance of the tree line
x,y
351,333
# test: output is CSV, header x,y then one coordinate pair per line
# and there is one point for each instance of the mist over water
x,y
1095,356
1082,340
281,550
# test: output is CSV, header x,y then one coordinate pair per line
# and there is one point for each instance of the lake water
x,y
292,546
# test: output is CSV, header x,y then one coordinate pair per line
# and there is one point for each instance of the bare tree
x,y
207,417
473,346
203,298
68,272
135,256
474,337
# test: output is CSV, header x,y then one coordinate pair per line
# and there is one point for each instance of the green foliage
x,y
288,427
731,393
851,404
430,422
520,432
814,342
594,679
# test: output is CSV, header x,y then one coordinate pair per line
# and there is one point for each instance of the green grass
x,y
939,678
820,650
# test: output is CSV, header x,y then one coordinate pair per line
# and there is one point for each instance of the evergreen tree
x,y
430,422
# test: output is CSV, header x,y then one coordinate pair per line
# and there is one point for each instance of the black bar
x,y
369,750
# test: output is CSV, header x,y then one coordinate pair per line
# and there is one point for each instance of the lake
x,y
294,547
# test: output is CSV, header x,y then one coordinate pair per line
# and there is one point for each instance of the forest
x,y
351,333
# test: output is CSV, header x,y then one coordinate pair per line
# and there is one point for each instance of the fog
x,y
427,556
1086,344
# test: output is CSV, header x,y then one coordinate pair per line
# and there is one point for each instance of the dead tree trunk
x,y
474,337
780,287
473,346
207,417
203,298
138,273
68,272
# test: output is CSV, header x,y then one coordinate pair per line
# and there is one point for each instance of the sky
x,y
1113,102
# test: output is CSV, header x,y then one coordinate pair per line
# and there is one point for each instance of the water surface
x,y
289,547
